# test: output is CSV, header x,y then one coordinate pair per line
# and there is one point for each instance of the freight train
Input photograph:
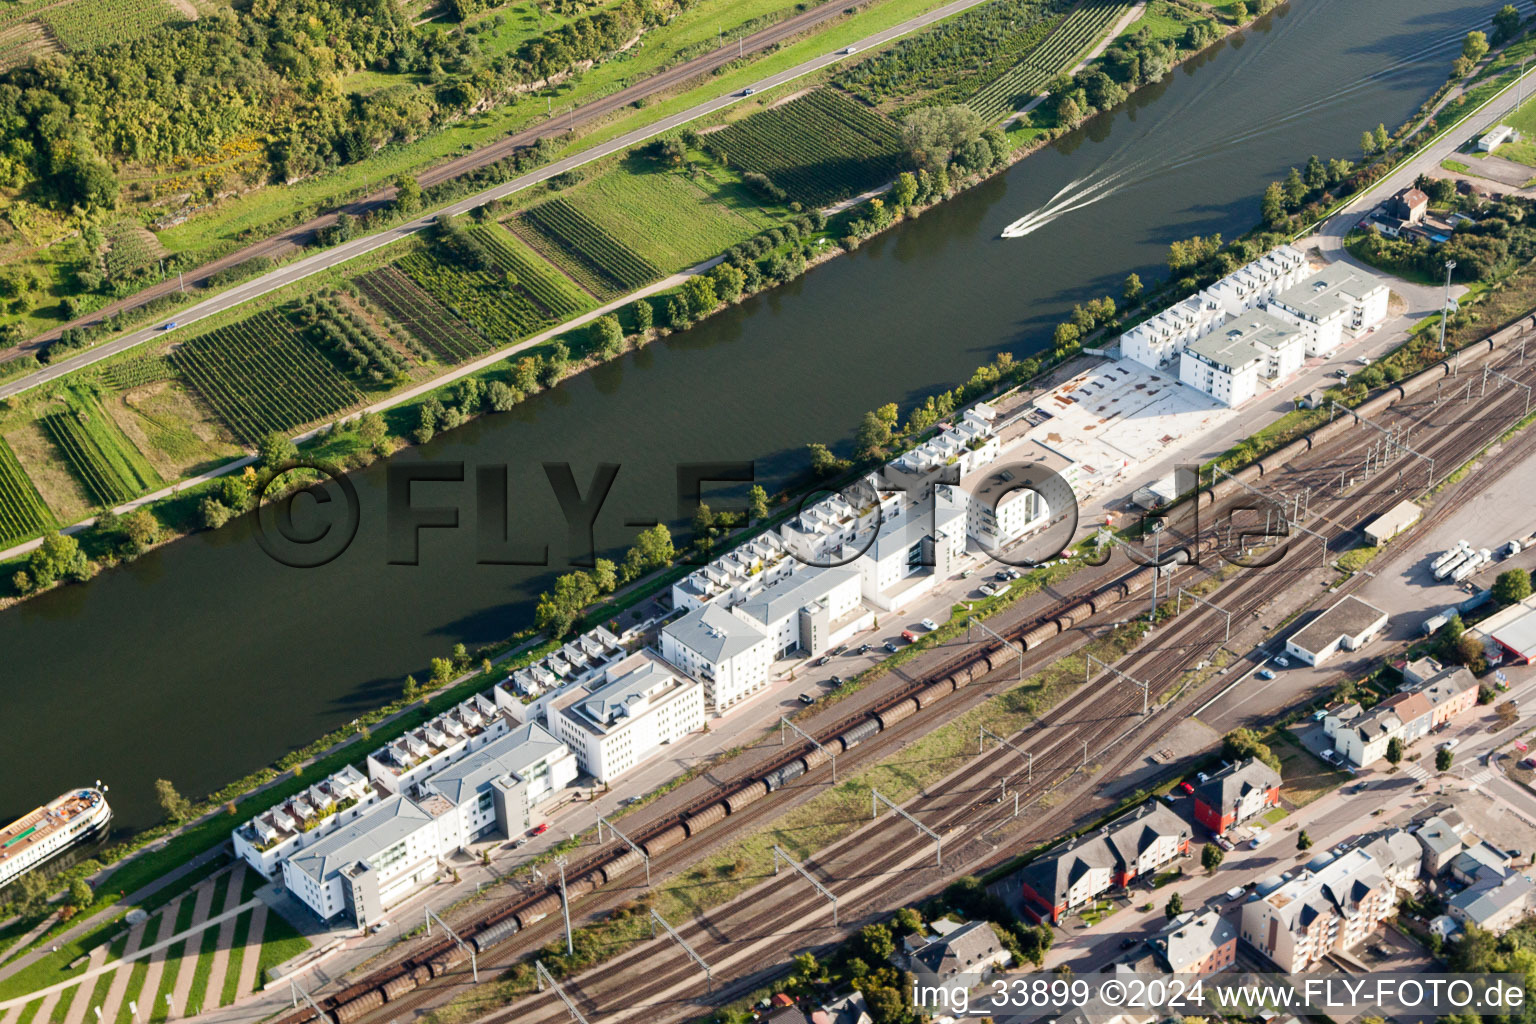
x,y
500,924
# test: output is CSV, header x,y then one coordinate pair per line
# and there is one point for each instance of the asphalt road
x,y
281,245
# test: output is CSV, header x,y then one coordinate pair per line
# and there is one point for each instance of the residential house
x,y
1494,902
1133,845
1317,913
1409,205
1477,860
972,949
848,1010
304,818
1399,856
1197,944
437,743
1236,793
1417,709
806,612
729,654
1441,843
1229,363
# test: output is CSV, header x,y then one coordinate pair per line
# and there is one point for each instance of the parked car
x,y
1001,575
1265,673
821,661
908,636
836,680
967,574
1202,776
1127,942
1341,374
890,645
1223,842
1529,762
806,698
930,625
379,926
1450,744
1014,574
864,648
840,649
1186,787
1283,661
540,829
1365,360
1235,893
988,590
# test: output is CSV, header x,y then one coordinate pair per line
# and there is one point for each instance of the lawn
x,y
1162,20
231,989
1455,166
1304,777
280,942
1098,912
1275,815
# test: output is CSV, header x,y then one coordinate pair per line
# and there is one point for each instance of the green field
x,y
584,251
22,512
86,24
98,454
661,215
259,375
435,329
551,290
1068,43
818,149
1162,20
502,311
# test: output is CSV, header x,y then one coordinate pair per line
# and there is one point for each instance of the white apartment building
x,y
382,856
1228,364
641,705
835,528
303,819
1253,285
1336,302
728,653
919,545
808,611
1015,494
434,744
730,577
1318,912
1162,338
1156,340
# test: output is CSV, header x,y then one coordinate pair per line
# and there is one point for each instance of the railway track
x,y
1101,709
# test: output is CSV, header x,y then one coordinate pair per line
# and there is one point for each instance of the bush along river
x,y
206,658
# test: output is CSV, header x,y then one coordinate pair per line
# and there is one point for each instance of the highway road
x,y
313,264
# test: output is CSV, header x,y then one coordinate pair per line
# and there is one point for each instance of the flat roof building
x,y
729,654
1336,302
1348,625
1228,363
642,705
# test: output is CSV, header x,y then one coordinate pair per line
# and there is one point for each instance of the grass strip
x,y
231,988
280,942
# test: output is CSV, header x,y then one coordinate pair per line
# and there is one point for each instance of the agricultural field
x,y
546,286
585,252
23,39
22,512
135,372
662,215
352,341
175,432
87,24
818,149
501,312
102,459
953,59
1163,20
1058,52
259,375
421,317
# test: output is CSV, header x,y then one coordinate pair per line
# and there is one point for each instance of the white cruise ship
x,y
81,815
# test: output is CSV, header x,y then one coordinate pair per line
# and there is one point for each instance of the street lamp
x,y
1445,307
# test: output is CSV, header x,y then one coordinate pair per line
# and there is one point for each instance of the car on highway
x,y
806,698
930,625
1186,787
1265,673
169,326
748,91
849,50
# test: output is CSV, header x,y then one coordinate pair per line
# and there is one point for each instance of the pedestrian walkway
x,y
81,1005
1415,771
190,951
1480,777
114,1000
46,1010
226,935
145,997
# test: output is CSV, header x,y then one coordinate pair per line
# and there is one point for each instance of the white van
x,y
1235,893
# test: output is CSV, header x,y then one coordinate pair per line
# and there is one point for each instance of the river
x,y
205,659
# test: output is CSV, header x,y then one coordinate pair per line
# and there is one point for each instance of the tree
x,y
1443,759
885,1005
141,530
1175,906
823,462
1211,857
1131,290
699,294
1394,751
905,190
80,895
177,808
28,894
1506,23
275,449
807,966
371,428
1067,335
501,396
757,502
875,943
730,282
1303,841
908,921
934,134
407,194
703,522
412,689
1295,189
1475,47
1240,744
607,336
214,513
870,440
642,314
1381,138
58,557
1368,143
606,575
1512,586
557,610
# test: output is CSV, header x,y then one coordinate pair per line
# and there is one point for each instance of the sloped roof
x,y
512,754
1227,787
714,634
960,951
370,834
